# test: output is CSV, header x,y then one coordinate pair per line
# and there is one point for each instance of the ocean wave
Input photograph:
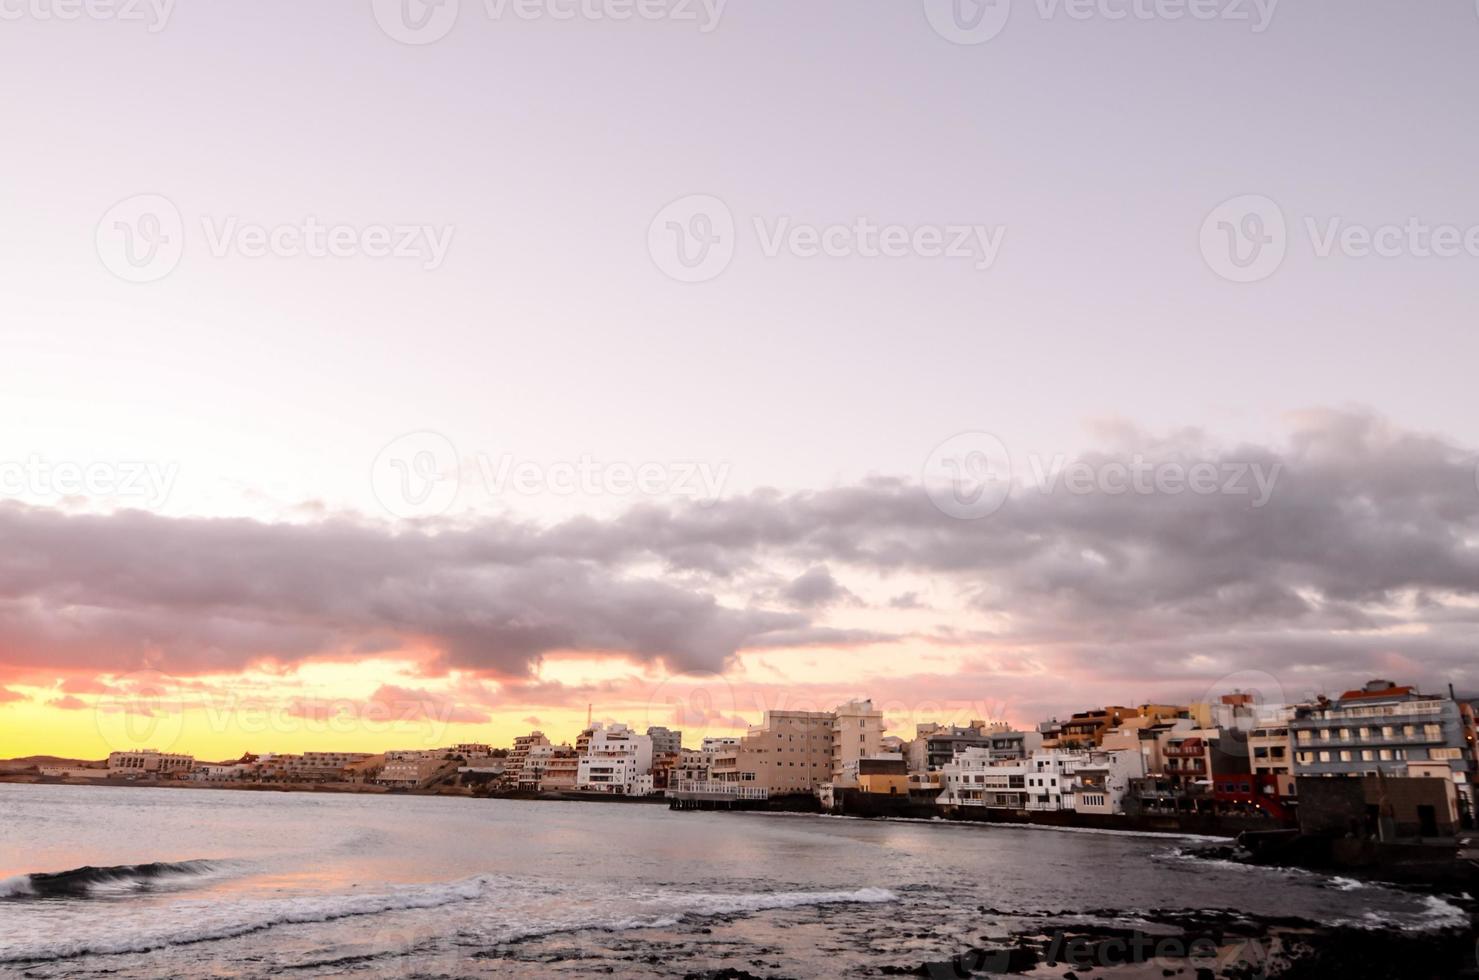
x,y
1437,915
88,880
944,822
215,922
655,910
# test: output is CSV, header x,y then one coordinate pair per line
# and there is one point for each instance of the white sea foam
x,y
17,887
943,822
654,910
1437,915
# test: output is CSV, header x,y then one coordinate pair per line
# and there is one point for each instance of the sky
x,y
381,374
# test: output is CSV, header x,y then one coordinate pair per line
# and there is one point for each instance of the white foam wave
x,y
1437,915
16,887
214,922
654,910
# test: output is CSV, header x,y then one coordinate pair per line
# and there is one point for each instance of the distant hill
x,y
32,761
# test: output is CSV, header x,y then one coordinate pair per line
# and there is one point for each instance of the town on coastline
x,y
1379,763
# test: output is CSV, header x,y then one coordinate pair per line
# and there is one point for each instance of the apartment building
x,y
948,741
324,767
857,733
1386,729
561,770
513,766
665,741
1085,729
788,752
1271,751
149,764
618,761
1043,781
1005,746
532,766
413,768
1101,783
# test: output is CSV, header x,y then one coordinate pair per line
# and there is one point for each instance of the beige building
x,y
788,752
857,733
513,766
560,770
413,769
1271,751
149,764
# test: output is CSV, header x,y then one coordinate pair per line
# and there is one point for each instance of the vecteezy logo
x,y
140,710
968,21
695,705
969,476
417,475
142,238
416,21
1245,239
692,239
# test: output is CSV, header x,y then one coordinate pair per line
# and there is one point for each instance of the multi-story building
x,y
513,766
473,751
618,761
561,770
414,768
857,733
532,764
665,741
1043,781
1005,746
788,752
1086,728
1386,729
323,767
945,743
149,763
714,743
1101,782
1271,751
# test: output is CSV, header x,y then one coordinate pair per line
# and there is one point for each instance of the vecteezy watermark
x,y
153,14
695,238
978,21
141,482
421,474
971,475
426,21
417,475
1246,238
1087,952
142,239
1144,476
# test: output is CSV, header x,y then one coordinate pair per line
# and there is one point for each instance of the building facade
x,y
618,761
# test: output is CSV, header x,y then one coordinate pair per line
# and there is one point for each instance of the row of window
x,y
1433,733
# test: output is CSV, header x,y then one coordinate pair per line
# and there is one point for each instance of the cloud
x,y
8,696
1363,556
69,703
815,588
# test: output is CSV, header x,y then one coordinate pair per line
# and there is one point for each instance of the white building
x,y
1100,784
1048,779
618,761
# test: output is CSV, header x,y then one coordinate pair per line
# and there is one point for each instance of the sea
x,y
123,882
